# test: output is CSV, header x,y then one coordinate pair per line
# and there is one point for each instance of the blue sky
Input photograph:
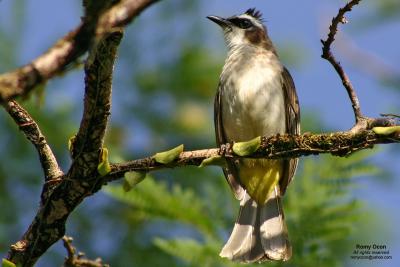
x,y
319,88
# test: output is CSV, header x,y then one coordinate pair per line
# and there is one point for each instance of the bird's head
x,y
244,29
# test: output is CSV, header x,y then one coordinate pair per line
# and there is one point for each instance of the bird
x,y
256,96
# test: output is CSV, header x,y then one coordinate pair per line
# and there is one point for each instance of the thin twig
x,y
78,260
32,132
390,115
327,54
67,242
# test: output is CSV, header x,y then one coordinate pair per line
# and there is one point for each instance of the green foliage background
x,y
177,217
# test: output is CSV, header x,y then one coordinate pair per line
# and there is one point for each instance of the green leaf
x,y
168,156
248,147
104,166
131,179
386,130
216,160
7,263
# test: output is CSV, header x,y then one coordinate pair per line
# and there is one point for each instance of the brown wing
x,y
230,171
292,110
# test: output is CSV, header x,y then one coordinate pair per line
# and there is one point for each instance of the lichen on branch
x,y
274,147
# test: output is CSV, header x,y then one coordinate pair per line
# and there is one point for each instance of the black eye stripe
x,y
241,22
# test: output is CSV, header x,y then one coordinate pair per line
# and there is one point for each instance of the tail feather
x,y
242,238
274,233
260,232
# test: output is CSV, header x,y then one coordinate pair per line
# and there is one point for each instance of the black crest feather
x,y
254,13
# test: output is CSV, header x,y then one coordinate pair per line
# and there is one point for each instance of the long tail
x,y
260,232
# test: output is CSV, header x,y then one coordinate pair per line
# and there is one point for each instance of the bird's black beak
x,y
220,21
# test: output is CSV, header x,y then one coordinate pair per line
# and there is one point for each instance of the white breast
x,y
252,95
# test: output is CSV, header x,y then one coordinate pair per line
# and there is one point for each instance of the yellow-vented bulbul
x,y
256,97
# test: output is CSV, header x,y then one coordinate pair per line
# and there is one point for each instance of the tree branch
x,y
275,147
122,14
362,122
65,51
327,54
78,260
32,132
69,48
59,200
88,142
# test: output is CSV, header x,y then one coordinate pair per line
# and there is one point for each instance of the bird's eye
x,y
244,23
241,23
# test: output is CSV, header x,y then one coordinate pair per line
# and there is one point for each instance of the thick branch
x,y
69,48
97,104
275,147
59,200
327,54
24,79
65,51
122,14
32,132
